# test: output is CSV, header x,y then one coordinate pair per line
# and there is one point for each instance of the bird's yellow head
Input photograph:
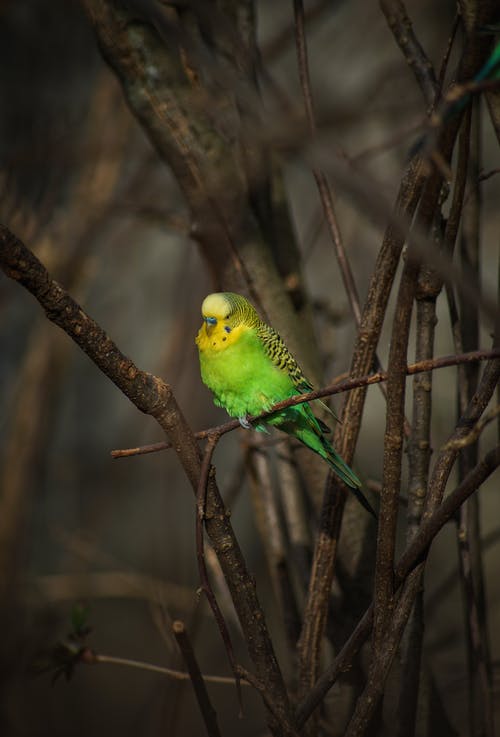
x,y
224,314
215,308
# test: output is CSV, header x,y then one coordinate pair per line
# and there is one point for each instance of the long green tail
x,y
340,467
303,425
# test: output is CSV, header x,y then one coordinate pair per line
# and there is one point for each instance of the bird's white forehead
x,y
215,305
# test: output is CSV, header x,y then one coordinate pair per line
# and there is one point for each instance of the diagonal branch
x,y
201,503
378,672
153,396
393,447
338,387
324,189
436,513
207,710
346,435
411,557
400,24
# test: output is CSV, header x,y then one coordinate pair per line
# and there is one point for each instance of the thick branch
x,y
154,397
195,102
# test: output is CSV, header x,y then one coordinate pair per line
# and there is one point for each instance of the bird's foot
x,y
244,422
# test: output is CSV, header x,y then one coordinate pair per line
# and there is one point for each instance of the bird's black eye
x,y
227,328
211,320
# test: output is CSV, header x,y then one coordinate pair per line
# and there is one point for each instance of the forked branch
x,y
154,397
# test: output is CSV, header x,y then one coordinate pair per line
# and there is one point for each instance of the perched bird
x,y
248,368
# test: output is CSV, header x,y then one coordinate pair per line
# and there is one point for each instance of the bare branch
x,y
431,525
400,24
198,682
338,388
324,189
207,470
90,657
411,557
393,447
154,397
459,443
270,527
387,651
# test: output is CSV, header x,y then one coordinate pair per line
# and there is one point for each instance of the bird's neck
x,y
217,339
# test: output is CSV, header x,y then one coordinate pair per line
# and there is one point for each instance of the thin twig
x,y
91,658
400,24
207,710
315,613
321,181
279,43
289,730
295,514
459,443
384,585
433,512
431,526
346,435
387,144
419,452
430,284
270,527
367,192
488,174
468,532
337,388
412,556
448,454
453,103
446,57
378,672
393,448
324,189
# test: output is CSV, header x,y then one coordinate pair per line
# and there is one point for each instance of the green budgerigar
x,y
248,368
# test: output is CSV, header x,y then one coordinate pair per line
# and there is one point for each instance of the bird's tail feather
x,y
350,479
342,469
364,502
301,424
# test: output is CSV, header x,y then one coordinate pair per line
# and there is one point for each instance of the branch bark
x,y
346,434
154,397
400,24
411,557
207,710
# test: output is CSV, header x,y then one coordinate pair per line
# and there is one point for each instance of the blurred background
x,y
82,186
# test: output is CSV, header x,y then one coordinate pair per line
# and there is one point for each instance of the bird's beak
x,y
209,327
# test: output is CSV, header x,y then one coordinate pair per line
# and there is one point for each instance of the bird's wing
x,y
281,357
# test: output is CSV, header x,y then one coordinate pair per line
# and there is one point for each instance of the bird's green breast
x,y
241,376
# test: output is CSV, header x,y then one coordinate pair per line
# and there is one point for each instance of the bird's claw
x,y
245,423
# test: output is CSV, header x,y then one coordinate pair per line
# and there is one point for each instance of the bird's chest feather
x,y
237,370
